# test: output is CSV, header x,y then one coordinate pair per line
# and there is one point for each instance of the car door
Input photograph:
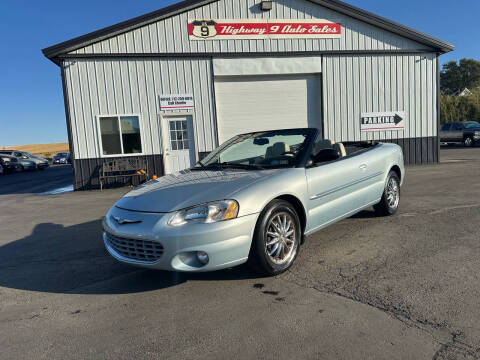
x,y
457,132
339,188
445,133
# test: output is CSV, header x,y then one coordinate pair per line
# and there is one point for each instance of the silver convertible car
x,y
254,199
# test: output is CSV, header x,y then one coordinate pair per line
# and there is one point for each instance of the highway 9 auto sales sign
x,y
218,29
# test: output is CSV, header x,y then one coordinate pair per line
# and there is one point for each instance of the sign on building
x,y
175,102
381,121
214,29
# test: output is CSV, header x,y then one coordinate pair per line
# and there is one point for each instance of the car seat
x,y
322,144
340,148
277,149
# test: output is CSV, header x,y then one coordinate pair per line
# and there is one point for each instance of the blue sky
x,y
31,103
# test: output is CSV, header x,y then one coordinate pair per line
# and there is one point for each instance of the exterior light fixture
x,y
266,5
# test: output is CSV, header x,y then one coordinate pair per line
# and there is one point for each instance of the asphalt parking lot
x,y
36,182
403,287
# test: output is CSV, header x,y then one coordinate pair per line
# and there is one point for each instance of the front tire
x,y
276,239
390,197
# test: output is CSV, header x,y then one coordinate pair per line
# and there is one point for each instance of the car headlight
x,y
206,213
476,133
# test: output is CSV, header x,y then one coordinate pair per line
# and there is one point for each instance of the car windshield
x,y
261,150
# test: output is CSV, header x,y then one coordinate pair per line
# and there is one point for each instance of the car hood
x,y
188,188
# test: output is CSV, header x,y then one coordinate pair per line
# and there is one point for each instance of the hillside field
x,y
43,150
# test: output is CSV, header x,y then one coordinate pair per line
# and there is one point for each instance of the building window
x,y
179,134
120,135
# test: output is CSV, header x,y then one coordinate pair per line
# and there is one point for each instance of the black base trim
x,y
415,151
87,172
423,150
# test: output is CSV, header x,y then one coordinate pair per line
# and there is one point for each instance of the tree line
x,y
455,77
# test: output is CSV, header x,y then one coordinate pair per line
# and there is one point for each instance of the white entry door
x,y
178,142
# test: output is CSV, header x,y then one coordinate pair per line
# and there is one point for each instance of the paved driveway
x,y
406,287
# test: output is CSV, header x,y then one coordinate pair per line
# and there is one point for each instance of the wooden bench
x,y
123,168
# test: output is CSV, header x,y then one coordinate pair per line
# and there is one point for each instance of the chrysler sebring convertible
x,y
252,200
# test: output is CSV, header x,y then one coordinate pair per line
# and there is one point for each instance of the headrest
x,y
280,148
322,144
340,148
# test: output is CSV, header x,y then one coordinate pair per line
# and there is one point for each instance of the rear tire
x,y
276,240
468,141
390,197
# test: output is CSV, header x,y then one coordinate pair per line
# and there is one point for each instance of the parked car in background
x,y
41,163
465,132
10,163
62,158
253,199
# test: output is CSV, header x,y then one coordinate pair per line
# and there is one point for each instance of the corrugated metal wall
x,y
108,87
374,83
171,35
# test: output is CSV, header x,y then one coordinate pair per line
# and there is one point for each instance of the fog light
x,y
202,257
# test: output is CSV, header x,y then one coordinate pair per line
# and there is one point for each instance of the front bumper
x,y
227,243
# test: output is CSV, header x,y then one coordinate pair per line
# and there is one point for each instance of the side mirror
x,y
326,155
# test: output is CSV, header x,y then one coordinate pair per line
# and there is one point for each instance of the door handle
x,y
363,167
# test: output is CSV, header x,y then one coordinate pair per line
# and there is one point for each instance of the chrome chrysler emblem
x,y
122,221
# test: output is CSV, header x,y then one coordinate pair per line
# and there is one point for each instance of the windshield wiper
x,y
202,166
226,165
233,165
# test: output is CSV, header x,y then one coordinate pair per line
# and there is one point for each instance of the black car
x,y
62,158
466,133
10,163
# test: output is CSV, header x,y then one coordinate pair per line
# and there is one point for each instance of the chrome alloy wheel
x,y
280,238
393,193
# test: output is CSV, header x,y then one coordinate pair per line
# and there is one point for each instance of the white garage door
x,y
255,103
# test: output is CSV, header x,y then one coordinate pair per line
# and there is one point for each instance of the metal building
x,y
171,85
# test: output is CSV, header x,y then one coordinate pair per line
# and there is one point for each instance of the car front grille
x,y
141,250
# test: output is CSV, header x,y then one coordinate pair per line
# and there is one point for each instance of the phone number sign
x,y
218,29
173,102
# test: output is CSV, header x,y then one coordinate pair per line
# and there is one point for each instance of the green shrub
x,y
460,108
